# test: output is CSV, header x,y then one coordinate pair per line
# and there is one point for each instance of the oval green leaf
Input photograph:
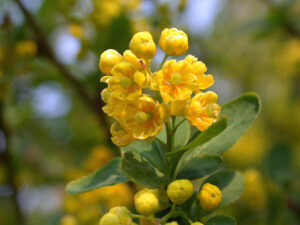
x,y
108,175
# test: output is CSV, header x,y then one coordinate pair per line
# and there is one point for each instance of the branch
x,y
45,49
6,158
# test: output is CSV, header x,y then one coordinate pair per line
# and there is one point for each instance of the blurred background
x,y
52,128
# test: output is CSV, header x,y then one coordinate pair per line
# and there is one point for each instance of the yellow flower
x,y
26,49
108,59
174,42
76,30
123,84
109,219
199,68
146,201
68,220
115,106
203,110
210,197
180,190
175,81
120,136
197,223
143,118
142,45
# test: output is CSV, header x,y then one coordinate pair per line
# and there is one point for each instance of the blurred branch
x,y
7,160
94,104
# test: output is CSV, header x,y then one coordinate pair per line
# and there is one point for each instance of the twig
x,y
6,158
45,49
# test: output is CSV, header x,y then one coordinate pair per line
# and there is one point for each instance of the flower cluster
x,y
142,101
150,201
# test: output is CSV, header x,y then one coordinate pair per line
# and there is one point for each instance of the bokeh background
x,y
52,129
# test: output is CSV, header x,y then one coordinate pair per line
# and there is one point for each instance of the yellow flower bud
x,y
139,78
172,223
180,190
68,220
146,201
197,223
123,214
108,59
210,197
105,95
109,219
142,45
173,42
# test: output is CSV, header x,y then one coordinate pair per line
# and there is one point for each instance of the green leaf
x,y
151,151
221,220
205,136
139,170
200,166
182,133
240,113
230,183
109,174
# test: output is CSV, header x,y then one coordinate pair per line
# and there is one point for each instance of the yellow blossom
x,y
26,49
142,45
203,110
199,68
108,59
175,81
120,136
115,106
143,118
210,197
122,84
172,223
174,42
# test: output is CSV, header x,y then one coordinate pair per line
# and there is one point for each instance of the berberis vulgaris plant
x,y
171,132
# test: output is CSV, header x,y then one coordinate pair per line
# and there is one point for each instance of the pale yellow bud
x,y
108,59
142,45
174,42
